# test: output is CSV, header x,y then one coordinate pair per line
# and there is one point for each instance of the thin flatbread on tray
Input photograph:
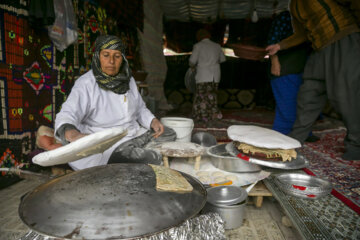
x,y
169,180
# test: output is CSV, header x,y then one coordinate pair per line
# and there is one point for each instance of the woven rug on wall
x,y
324,218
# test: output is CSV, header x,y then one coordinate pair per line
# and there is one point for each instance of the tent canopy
x,y
208,11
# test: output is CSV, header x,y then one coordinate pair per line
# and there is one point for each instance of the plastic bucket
x,y
182,126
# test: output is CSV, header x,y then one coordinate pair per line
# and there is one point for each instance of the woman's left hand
x,y
157,126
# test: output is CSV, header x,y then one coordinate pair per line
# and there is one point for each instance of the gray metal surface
x,y
117,201
303,185
222,159
299,162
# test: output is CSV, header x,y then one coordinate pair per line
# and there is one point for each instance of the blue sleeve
x,y
280,28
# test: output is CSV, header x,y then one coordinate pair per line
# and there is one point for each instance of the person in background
x,y
107,97
206,58
286,71
332,69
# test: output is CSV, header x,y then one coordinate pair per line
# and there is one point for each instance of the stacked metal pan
x,y
303,185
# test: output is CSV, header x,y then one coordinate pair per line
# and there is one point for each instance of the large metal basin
x,y
221,159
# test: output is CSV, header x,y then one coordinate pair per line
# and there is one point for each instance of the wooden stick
x,y
197,162
166,161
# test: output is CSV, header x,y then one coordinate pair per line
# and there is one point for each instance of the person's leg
x,y
134,151
343,86
285,89
198,108
311,97
216,113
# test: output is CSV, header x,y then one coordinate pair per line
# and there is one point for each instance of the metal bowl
x,y
303,185
221,159
204,139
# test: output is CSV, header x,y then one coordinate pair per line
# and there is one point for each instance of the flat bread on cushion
x,y
261,137
169,180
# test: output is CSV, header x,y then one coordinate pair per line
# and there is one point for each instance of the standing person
x,y
107,97
332,70
206,57
286,71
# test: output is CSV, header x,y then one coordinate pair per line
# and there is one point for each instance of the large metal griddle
x,y
117,201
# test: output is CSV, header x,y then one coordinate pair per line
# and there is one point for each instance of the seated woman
x,y
106,97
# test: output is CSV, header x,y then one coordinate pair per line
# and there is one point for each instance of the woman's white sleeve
x,y
75,108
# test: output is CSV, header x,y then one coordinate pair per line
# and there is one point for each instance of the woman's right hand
x,y
73,135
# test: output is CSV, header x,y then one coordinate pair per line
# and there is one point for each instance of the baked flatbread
x,y
273,154
169,180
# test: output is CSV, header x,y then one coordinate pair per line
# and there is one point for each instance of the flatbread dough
x,y
232,178
217,174
202,174
261,137
91,144
205,179
219,179
169,180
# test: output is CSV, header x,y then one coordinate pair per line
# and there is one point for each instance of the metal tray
x,y
116,201
221,159
299,162
303,185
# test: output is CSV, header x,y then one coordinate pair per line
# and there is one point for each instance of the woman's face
x,y
110,61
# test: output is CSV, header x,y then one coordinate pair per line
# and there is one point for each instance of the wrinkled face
x,y
110,61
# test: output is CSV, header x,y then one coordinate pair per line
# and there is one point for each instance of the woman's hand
x,y
272,49
73,135
157,126
275,65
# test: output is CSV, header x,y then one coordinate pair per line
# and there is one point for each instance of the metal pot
x,y
221,159
204,139
229,202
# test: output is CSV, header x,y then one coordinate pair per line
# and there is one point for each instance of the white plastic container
x,y
182,126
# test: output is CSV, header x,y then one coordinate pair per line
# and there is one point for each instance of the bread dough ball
x,y
219,179
217,174
204,179
232,178
202,174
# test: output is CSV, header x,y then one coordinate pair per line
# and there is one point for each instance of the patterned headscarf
x,y
120,82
